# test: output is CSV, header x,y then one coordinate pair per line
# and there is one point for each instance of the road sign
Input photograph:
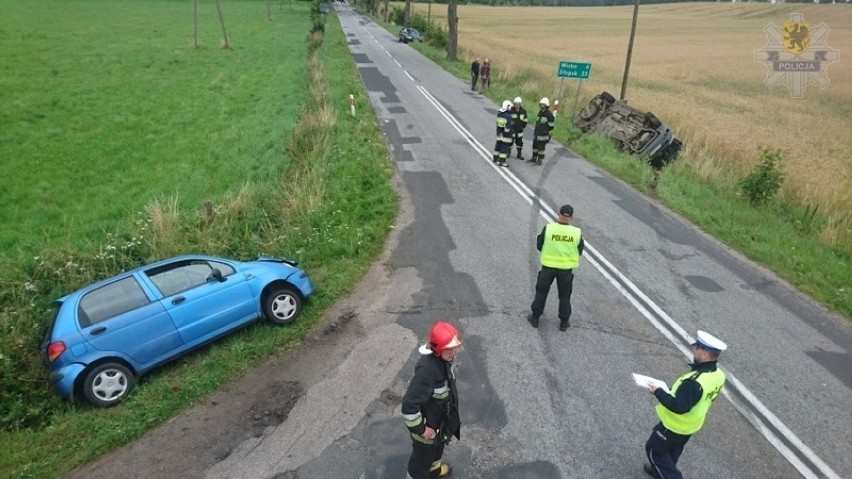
x,y
573,70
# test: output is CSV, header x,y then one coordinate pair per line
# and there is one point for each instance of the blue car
x,y
107,334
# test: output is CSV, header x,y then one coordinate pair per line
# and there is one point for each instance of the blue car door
x,y
203,304
120,317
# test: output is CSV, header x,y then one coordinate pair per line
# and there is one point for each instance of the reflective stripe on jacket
x,y
690,422
520,119
544,123
431,399
560,248
505,126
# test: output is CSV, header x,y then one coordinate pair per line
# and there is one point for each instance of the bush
x,y
437,36
397,16
317,18
765,179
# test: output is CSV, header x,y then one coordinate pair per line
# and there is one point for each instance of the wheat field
x,y
694,66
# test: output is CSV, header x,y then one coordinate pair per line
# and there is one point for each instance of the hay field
x,y
693,66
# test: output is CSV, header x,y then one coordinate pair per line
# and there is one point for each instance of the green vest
x,y
691,421
560,246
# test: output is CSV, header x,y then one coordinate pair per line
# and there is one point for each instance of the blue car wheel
x,y
282,305
106,384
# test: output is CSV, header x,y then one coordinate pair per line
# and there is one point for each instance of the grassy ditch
x,y
324,198
809,246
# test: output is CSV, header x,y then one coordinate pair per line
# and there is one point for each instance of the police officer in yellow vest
x,y
683,411
561,245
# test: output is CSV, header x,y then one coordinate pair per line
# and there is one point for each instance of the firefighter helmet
x,y
443,336
518,100
506,105
544,101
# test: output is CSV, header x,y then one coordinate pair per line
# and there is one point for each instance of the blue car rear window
x,y
111,300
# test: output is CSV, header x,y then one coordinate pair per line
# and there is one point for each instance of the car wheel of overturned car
x,y
106,384
282,305
608,98
652,121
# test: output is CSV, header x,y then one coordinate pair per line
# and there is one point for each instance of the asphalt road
x,y
535,403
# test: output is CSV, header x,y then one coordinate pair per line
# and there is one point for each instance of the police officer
x,y
561,245
544,124
519,115
430,405
505,134
682,411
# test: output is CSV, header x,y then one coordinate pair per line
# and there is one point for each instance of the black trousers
x,y
663,450
519,140
538,148
564,284
473,79
425,460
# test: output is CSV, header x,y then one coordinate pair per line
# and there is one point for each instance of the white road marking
x,y
753,409
758,414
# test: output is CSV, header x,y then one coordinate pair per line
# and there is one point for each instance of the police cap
x,y
707,341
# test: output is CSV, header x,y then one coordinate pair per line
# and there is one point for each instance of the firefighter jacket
x,y
520,119
544,124
431,400
505,126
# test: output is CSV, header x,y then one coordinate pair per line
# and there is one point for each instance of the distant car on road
x,y
632,130
107,334
408,34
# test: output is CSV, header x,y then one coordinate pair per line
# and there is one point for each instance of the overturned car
x,y
633,131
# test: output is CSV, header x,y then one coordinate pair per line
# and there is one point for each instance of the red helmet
x,y
443,336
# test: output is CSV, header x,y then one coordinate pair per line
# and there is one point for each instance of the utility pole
x,y
630,49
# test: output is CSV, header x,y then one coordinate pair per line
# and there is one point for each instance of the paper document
x,y
647,381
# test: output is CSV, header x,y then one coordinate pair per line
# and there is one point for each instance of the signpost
x,y
574,70
578,70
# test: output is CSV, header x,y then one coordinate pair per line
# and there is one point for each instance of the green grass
x,y
329,206
782,235
107,104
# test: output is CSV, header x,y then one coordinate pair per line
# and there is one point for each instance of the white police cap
x,y
709,342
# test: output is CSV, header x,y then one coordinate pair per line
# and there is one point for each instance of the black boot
x,y
533,320
520,157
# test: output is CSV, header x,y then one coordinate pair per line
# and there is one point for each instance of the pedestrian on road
x,y
474,73
505,135
519,116
682,411
561,245
430,405
544,124
485,76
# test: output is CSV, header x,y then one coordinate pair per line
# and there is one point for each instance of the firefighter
x,y
430,405
519,115
544,124
505,134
